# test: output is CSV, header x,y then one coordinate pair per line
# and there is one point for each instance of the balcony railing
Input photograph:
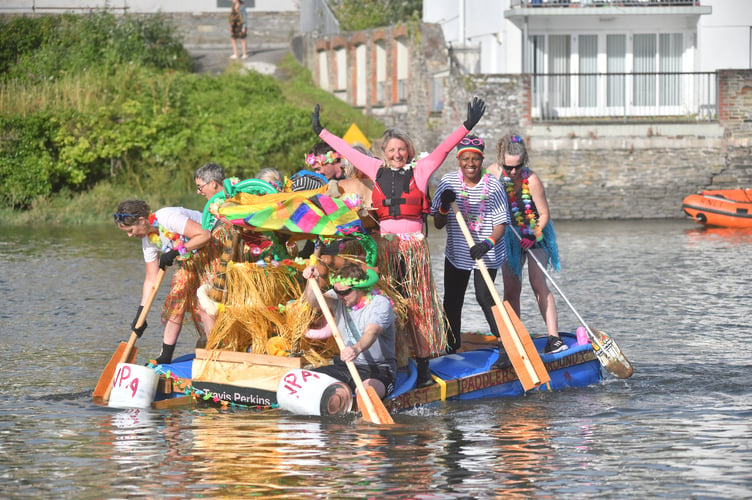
x,y
625,96
603,3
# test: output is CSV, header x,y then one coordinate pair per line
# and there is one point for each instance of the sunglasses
x,y
344,292
120,218
471,142
512,167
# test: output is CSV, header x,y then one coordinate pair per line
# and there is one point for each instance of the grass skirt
x,y
405,260
514,252
187,277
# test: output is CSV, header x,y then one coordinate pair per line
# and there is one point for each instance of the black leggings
x,y
455,285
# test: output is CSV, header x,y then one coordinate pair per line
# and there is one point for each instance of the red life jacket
x,y
396,195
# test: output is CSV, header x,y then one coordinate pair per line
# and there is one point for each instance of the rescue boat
x,y
723,208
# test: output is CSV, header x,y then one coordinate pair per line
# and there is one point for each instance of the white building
x,y
603,58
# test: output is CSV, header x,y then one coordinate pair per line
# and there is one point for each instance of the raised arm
x,y
428,165
366,164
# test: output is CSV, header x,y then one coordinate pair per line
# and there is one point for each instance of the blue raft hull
x,y
462,376
469,375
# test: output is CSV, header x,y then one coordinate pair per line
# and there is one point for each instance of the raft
x,y
722,208
461,376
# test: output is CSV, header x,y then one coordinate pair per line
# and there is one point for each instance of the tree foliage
x,y
355,15
126,110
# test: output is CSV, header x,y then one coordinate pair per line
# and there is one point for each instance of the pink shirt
x,y
424,168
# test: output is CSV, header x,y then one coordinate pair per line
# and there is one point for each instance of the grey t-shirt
x,y
351,325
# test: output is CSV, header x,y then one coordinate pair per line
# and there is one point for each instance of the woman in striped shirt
x,y
483,203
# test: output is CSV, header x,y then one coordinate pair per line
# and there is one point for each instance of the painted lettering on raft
x,y
123,374
292,384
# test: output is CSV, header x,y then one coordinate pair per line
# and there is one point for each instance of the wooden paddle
x,y
125,352
369,402
522,352
605,348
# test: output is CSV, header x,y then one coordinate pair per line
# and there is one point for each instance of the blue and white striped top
x,y
469,201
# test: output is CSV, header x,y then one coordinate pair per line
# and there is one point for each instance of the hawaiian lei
x,y
524,218
178,240
474,221
366,299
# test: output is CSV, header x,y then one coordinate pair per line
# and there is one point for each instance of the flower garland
x,y
189,390
474,221
178,241
524,217
366,299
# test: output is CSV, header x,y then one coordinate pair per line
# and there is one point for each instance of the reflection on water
x,y
674,295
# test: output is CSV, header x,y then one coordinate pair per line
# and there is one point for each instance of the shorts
x,y
340,371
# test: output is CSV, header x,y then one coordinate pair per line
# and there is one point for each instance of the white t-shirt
x,y
173,219
495,212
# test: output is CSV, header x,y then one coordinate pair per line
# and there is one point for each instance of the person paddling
x,y
171,235
483,203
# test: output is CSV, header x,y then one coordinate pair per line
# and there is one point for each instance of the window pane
x,y
588,51
558,62
616,51
670,61
644,91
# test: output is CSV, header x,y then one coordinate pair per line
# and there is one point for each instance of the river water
x,y
675,296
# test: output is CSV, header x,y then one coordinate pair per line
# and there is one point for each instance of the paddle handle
x,y
313,283
139,322
495,295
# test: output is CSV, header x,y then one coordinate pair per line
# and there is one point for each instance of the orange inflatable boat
x,y
724,208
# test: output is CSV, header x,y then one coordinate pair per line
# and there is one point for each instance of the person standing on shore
x,y
238,28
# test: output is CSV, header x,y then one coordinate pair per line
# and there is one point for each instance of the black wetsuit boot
x,y
424,373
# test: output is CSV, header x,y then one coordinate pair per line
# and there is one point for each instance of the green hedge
x,y
104,99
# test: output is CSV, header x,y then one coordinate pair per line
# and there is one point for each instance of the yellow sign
x,y
354,135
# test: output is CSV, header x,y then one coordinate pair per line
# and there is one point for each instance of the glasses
x,y
200,189
120,218
344,292
471,142
512,167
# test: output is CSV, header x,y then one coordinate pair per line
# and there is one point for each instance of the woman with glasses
x,y
532,222
401,204
481,199
169,235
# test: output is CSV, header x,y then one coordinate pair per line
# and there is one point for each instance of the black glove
x,y
447,198
167,258
479,250
315,121
475,110
140,330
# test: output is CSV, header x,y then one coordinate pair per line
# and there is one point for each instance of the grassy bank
x,y
77,140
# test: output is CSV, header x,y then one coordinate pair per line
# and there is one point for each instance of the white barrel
x,y
134,386
306,392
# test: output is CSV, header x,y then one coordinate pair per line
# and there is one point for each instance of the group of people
x,y
504,206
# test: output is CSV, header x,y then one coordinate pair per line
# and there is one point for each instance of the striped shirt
x,y
495,212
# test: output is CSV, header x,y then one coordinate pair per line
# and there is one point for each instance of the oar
x,y
374,408
605,348
525,358
104,386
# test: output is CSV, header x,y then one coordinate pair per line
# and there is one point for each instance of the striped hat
x,y
471,143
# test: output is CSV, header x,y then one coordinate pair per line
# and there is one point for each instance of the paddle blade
x,y
381,414
522,353
609,354
108,374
